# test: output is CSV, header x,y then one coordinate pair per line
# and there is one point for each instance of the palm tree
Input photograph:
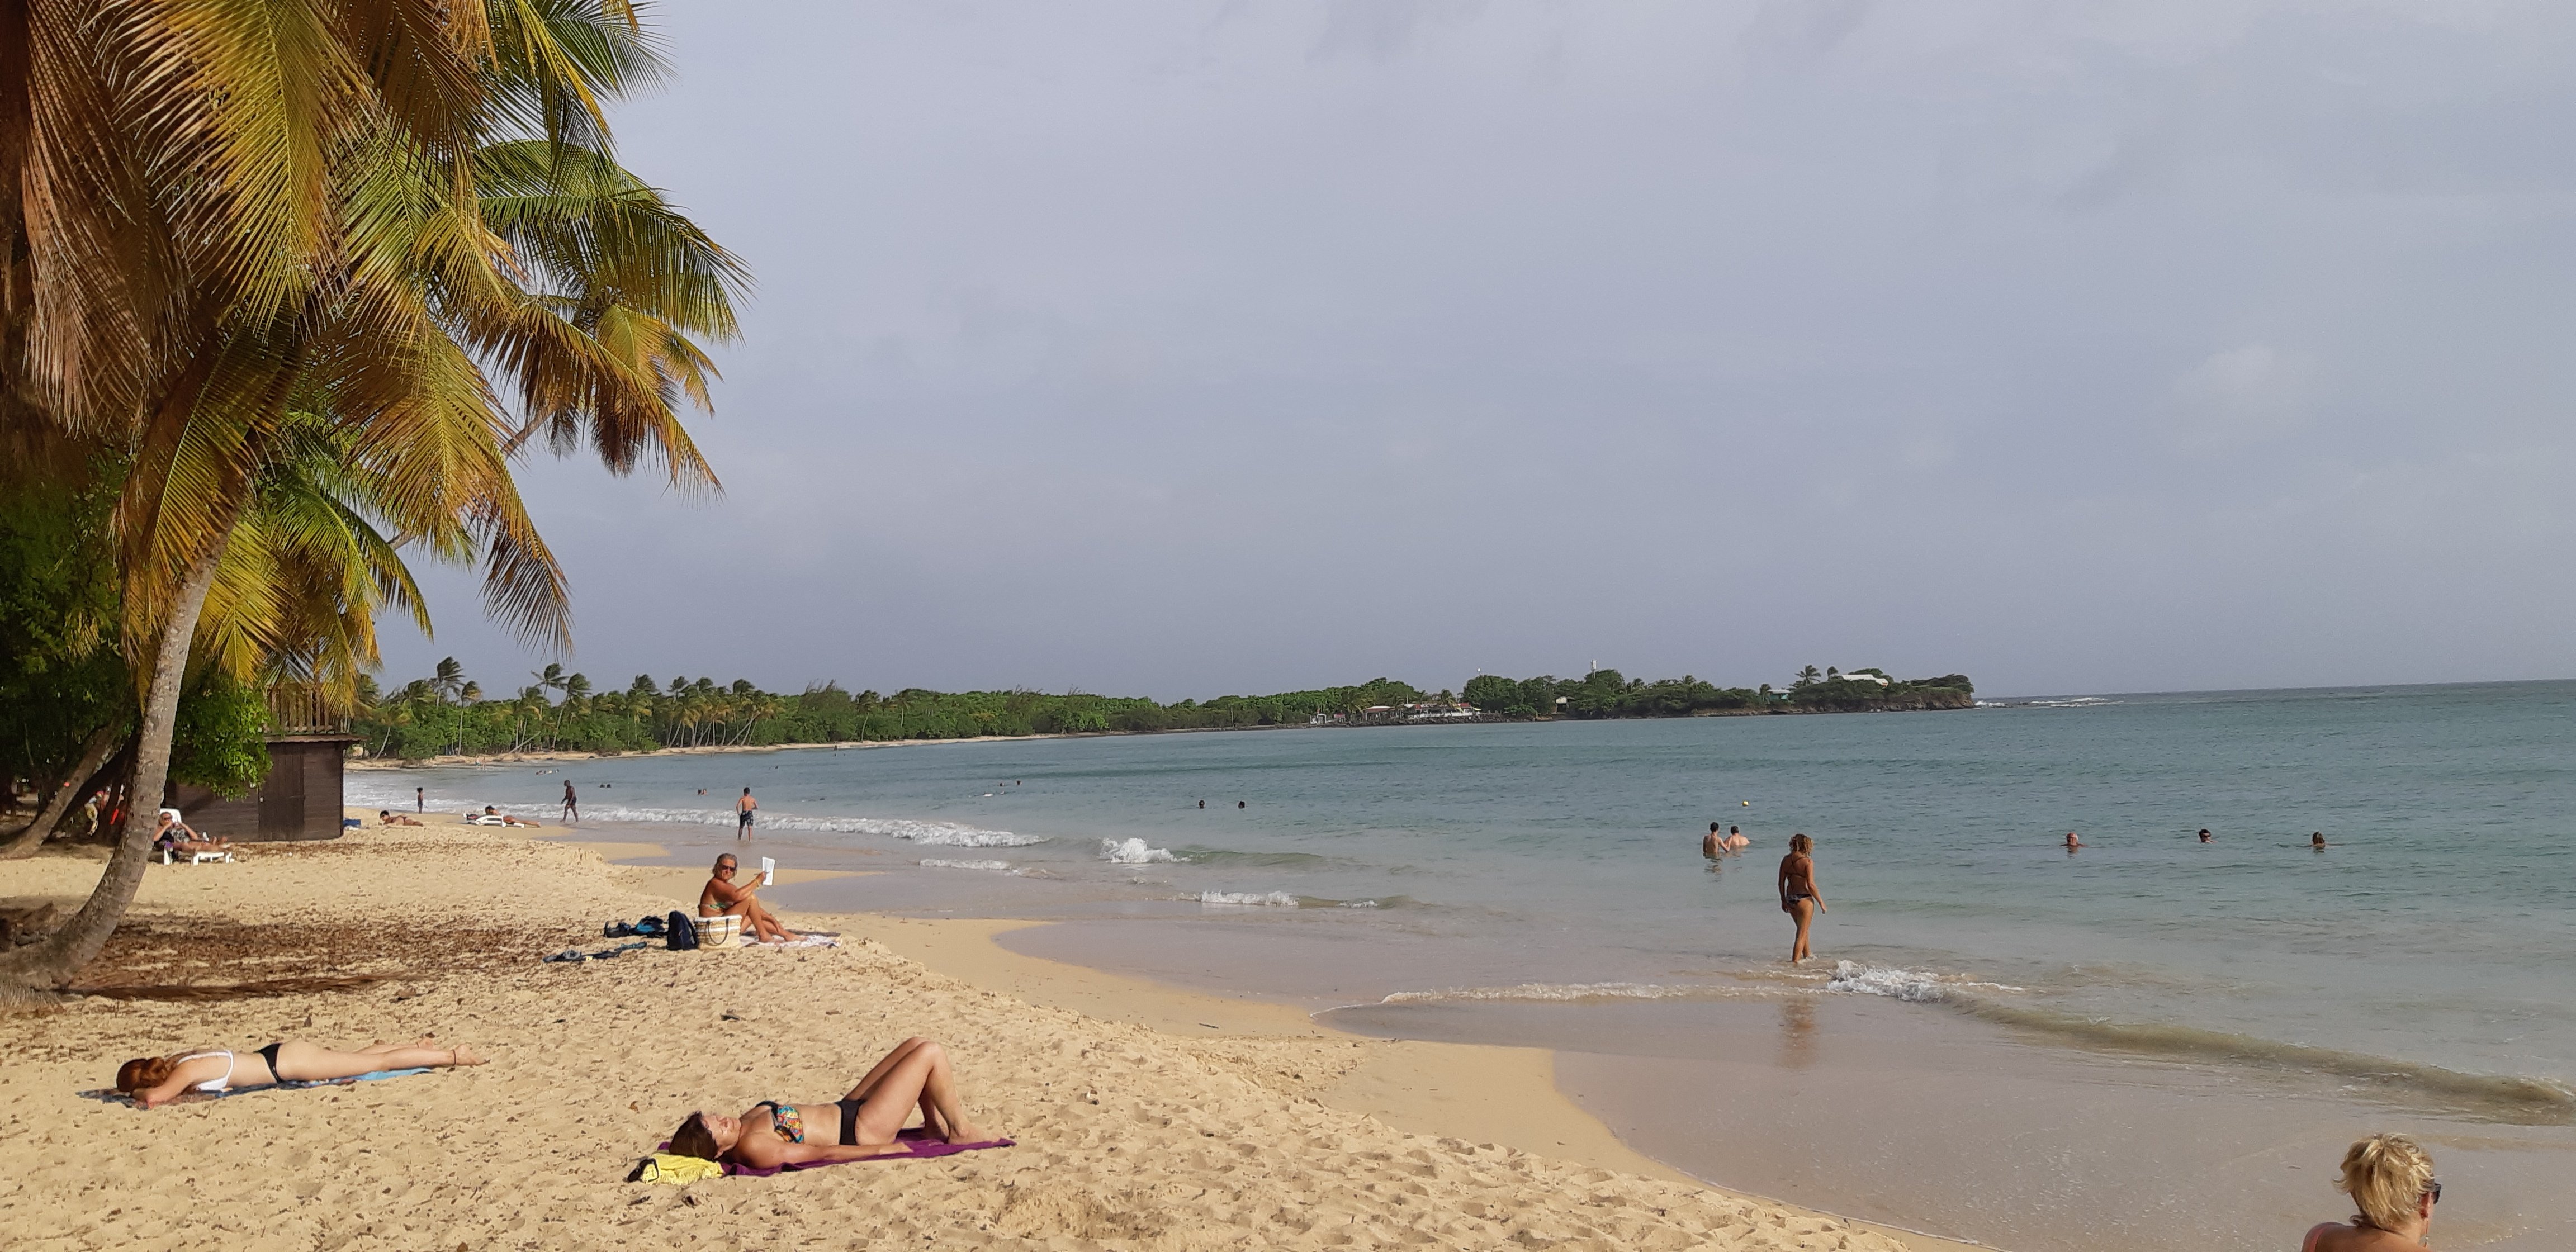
x,y
215,218
1808,675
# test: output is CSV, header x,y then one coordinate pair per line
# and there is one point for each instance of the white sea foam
x,y
1272,899
937,863
938,834
1853,978
1560,991
1357,904
1133,852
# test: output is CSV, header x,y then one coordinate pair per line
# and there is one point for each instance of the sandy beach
x,y
1145,1117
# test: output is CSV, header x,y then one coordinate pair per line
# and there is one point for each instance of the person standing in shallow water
x,y
572,803
1798,895
742,811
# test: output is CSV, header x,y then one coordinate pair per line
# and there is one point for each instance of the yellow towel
x,y
675,1169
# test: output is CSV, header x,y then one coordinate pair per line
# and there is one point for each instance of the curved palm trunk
x,y
102,743
56,960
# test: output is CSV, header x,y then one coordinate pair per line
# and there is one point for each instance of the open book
x,y
769,871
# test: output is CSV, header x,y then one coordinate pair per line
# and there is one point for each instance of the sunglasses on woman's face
x,y
2435,1190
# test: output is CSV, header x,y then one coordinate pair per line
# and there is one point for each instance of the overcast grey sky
x,y
1182,349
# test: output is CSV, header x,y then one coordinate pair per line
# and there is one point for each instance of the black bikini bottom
x,y
849,1119
269,1054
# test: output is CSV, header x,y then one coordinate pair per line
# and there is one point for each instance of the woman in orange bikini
x,y
157,1080
863,1123
1798,896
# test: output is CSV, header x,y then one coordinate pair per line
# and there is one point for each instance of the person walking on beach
x,y
572,803
2390,1179
420,799
1798,895
742,811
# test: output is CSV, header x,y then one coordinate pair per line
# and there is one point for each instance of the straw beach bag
x,y
721,931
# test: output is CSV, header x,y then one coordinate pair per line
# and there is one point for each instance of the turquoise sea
x,y
1542,883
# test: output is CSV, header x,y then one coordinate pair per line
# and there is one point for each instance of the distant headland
x,y
449,714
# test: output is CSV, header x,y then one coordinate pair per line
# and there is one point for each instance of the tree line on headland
x,y
448,713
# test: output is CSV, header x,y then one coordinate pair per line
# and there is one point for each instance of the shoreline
x,y
1128,1133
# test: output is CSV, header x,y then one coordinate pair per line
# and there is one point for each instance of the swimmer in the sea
x,y
1735,839
1713,844
2204,834
2318,841
2073,842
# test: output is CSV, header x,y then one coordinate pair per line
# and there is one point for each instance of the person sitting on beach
x,y
721,896
862,1124
2390,1179
176,835
157,1080
387,817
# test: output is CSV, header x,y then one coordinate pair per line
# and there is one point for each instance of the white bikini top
x,y
216,1085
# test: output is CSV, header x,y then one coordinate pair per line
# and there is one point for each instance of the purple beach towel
x,y
918,1140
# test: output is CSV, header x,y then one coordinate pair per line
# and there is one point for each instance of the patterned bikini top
x,y
784,1119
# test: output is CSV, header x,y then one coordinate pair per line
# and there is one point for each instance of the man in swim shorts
x,y
723,896
742,811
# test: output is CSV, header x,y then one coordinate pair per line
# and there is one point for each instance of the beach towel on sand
x,y
918,1142
112,1096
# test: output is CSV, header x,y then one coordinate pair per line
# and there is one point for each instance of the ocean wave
x,y
1271,899
1227,857
1133,852
1852,978
938,863
1557,992
936,834
2497,1097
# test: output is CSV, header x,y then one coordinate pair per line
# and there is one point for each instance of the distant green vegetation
x,y
1607,693
449,713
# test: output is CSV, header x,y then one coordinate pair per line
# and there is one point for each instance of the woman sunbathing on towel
x,y
858,1125
159,1080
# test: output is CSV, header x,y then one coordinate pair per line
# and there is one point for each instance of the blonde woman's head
x,y
2387,1177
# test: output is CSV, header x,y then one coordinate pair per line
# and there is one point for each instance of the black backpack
x,y
683,936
